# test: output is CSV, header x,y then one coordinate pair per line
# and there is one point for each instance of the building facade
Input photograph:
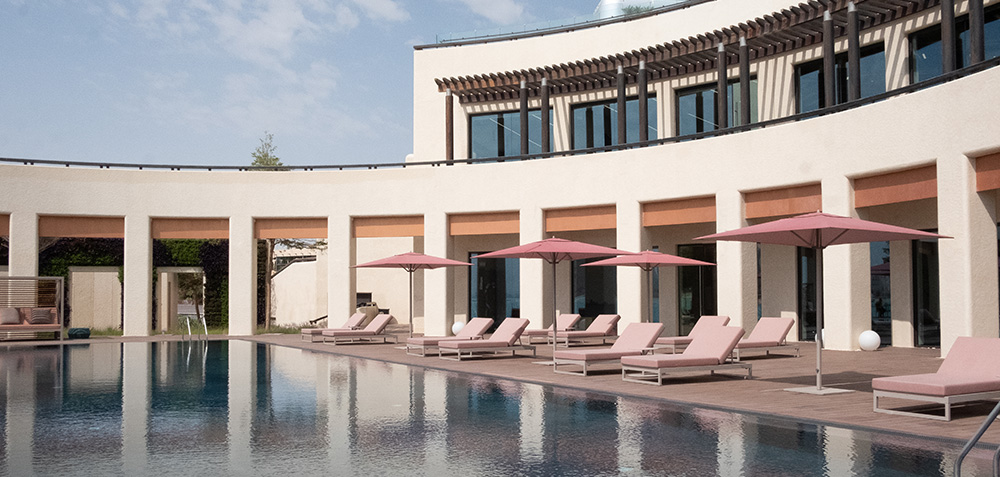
x,y
735,113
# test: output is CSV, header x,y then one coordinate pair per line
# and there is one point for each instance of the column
x,y
829,93
745,101
977,39
633,298
901,292
341,280
737,264
846,276
968,275
136,393
643,87
546,130
23,258
449,126
722,97
439,309
536,279
138,273
947,36
622,129
524,117
242,357
242,276
778,282
853,53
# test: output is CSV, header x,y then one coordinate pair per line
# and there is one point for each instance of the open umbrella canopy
x,y
648,260
819,230
555,250
412,261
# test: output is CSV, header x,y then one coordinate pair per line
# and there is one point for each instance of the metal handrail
x,y
975,439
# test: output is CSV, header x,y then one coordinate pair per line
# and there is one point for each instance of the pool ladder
x,y
203,324
972,443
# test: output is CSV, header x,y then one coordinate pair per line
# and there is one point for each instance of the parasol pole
x,y
411,300
555,306
819,319
649,291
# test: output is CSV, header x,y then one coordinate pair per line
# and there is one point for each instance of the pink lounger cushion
x,y
970,367
635,338
472,330
566,322
603,325
703,323
352,323
707,349
768,332
377,326
506,334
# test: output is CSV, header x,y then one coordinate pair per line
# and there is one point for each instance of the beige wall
x,y
95,297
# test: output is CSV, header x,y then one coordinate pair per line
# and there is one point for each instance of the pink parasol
x,y
412,262
818,231
647,261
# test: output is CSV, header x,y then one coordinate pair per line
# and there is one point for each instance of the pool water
x,y
241,408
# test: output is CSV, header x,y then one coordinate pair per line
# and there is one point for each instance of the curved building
x,y
638,132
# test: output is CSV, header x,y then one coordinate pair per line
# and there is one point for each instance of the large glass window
x,y
595,290
926,293
696,107
809,78
696,286
925,45
499,134
881,297
806,261
596,124
494,288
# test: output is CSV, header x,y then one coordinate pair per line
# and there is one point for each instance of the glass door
x,y
806,261
696,286
881,303
926,294
595,290
494,288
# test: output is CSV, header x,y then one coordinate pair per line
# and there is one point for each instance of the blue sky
x,y
199,81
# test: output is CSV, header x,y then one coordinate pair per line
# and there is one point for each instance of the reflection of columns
x,y
19,428
977,39
341,280
439,309
633,304
643,86
622,130
242,364
968,274
544,90
838,450
744,82
136,379
535,274
722,86
524,117
853,53
242,276
449,126
532,413
829,93
847,288
737,264
340,409
23,258
731,449
901,292
947,36
435,399
629,437
138,309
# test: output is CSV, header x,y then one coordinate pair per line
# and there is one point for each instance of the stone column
x,y
737,264
536,304
242,359
138,286
722,89
136,394
622,127
242,276
901,292
633,299
779,282
968,275
439,308
341,295
829,61
23,258
846,276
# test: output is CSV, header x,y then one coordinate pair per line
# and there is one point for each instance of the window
x,y
926,293
499,134
696,107
494,290
595,289
596,124
697,290
881,299
925,45
806,274
809,78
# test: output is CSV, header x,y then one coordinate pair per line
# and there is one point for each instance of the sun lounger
x,y
473,330
566,322
353,323
680,342
637,339
502,340
968,373
707,352
602,329
374,331
768,335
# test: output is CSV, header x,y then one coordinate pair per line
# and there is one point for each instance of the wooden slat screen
x,y
290,228
786,201
190,228
582,218
895,187
486,223
677,212
79,226
392,226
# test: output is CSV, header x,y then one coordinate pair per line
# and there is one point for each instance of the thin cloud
x,y
387,10
502,12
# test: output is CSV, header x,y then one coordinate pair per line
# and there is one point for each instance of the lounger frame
x,y
459,353
335,340
424,348
570,341
654,376
947,401
584,363
767,350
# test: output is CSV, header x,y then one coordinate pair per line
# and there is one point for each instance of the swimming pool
x,y
241,408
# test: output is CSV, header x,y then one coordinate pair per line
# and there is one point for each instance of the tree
x,y
264,155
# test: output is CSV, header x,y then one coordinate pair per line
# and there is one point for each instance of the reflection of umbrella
x,y
647,261
553,251
412,262
817,231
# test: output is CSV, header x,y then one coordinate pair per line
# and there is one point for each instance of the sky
x,y
198,82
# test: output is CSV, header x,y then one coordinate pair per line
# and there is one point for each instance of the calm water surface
x,y
240,408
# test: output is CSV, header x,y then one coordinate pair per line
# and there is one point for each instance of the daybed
x,y
707,352
352,323
968,373
703,323
374,331
30,319
768,335
473,330
637,339
502,340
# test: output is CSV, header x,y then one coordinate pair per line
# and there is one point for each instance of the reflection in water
x,y
240,408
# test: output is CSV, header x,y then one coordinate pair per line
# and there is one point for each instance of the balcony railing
x,y
960,73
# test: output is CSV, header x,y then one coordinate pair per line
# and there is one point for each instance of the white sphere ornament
x,y
869,340
457,326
